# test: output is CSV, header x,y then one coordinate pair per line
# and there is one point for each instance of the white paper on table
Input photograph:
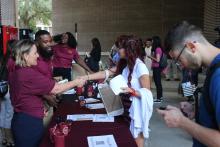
x,y
101,141
80,117
95,106
71,91
117,83
103,118
91,100
99,96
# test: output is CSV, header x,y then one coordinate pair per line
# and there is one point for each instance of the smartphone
x,y
162,107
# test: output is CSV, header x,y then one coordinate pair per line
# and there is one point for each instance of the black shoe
x,y
157,101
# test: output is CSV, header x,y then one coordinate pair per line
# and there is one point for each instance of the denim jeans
x,y
157,81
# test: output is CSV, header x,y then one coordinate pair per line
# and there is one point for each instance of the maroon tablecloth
x,y
81,129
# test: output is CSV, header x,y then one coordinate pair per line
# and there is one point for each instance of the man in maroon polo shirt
x,y
43,42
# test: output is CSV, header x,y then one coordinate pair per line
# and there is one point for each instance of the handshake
x,y
80,82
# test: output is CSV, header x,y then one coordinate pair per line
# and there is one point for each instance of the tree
x,y
33,11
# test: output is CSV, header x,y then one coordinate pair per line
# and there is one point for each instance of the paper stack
x,y
101,141
93,117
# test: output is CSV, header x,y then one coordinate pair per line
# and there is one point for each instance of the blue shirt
x,y
116,58
214,92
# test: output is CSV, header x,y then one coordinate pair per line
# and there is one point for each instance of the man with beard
x,y
43,42
190,49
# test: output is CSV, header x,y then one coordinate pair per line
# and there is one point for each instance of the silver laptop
x,y
112,102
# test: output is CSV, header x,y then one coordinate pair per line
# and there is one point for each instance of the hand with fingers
x,y
188,109
173,117
131,91
52,100
126,90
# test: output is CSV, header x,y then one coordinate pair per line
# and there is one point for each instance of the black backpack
x,y
205,93
163,61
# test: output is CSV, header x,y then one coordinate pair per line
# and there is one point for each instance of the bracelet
x,y
133,93
106,75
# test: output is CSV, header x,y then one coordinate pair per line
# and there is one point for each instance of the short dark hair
x,y
179,33
39,33
148,39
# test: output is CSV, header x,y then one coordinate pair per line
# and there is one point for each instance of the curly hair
x,y
71,40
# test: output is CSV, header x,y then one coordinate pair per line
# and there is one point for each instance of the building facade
x,y
211,19
107,19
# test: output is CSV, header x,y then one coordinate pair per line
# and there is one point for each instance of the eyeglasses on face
x,y
177,59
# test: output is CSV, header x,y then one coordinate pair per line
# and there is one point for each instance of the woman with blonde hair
x,y
27,87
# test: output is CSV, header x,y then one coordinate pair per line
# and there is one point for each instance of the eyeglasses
x,y
177,59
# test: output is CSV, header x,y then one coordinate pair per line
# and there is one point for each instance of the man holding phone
x,y
190,49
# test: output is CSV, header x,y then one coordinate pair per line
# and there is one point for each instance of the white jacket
x,y
141,110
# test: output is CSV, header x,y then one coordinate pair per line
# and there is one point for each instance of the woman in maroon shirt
x,y
64,53
27,87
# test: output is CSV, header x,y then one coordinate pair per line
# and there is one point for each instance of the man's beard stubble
x,y
45,53
194,64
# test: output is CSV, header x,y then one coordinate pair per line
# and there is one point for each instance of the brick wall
x,y
211,19
107,19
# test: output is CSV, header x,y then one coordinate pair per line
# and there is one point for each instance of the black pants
x,y
157,81
64,72
27,130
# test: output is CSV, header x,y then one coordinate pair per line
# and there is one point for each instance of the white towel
x,y
141,111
